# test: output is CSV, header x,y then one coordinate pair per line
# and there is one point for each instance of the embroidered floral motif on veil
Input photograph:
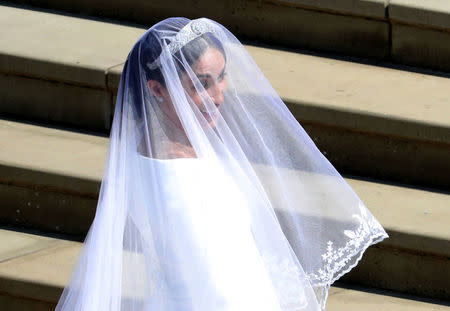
x,y
337,260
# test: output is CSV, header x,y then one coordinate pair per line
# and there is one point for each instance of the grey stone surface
x,y
410,161
50,180
60,171
15,244
370,8
430,13
47,211
56,102
60,47
113,77
373,300
313,30
18,303
39,275
35,281
355,27
267,21
417,219
358,96
414,273
70,161
333,83
421,47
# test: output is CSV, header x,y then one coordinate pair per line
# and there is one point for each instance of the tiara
x,y
192,30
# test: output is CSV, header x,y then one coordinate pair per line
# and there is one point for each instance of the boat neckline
x,y
167,160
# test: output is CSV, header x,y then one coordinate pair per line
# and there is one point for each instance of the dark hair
x,y
192,51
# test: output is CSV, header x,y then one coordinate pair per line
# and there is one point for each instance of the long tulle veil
x,y
260,180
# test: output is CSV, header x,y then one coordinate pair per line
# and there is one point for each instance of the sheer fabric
x,y
213,196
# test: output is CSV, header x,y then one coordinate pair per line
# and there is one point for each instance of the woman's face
x,y
210,72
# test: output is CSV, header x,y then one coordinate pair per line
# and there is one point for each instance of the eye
x,y
205,83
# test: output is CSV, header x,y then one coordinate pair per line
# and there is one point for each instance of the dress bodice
x,y
205,235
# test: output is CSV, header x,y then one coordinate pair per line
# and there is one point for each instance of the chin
x,y
212,120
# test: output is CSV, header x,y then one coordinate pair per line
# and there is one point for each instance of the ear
x,y
157,89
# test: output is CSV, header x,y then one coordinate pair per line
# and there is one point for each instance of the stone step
x,y
34,269
415,32
369,120
50,182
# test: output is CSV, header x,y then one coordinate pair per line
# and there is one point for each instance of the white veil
x,y
213,196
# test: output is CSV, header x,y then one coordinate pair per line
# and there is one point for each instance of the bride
x,y
213,196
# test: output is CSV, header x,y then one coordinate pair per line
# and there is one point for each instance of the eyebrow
x,y
207,75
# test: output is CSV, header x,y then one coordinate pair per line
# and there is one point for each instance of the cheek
x,y
169,110
224,85
166,96
196,98
198,101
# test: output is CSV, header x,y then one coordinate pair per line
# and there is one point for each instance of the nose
x,y
217,94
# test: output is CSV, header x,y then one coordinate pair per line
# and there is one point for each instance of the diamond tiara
x,y
192,30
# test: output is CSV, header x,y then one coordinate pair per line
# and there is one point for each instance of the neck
x,y
174,143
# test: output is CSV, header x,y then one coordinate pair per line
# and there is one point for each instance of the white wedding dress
x,y
207,244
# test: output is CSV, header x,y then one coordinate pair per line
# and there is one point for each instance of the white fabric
x,y
198,226
213,196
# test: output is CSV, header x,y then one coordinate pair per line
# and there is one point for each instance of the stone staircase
x,y
412,32
385,126
34,269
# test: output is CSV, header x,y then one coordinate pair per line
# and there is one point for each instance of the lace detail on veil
x,y
338,261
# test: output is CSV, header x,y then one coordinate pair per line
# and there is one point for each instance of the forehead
x,y
211,62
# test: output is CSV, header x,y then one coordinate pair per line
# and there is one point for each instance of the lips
x,y
210,116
